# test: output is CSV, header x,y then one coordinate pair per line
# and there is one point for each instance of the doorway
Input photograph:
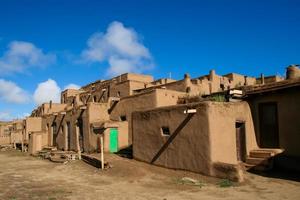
x,y
81,138
69,136
54,133
113,140
240,141
268,125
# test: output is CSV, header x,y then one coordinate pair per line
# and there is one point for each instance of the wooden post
x,y
102,151
77,143
22,142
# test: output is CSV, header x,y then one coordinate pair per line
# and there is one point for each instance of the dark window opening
x,y
188,89
222,87
165,131
118,94
123,118
95,99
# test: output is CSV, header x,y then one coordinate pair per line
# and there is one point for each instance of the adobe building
x,y
275,110
5,130
211,124
222,138
198,137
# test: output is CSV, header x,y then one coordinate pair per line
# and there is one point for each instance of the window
x,y
123,118
95,98
222,86
188,89
165,131
118,94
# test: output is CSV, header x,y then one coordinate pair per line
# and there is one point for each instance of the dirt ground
x,y
26,177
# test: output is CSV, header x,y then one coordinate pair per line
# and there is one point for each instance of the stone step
x,y
261,154
257,161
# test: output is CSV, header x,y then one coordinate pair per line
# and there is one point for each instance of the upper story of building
x,y
131,84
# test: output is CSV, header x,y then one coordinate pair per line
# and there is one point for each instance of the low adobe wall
x,y
4,140
206,143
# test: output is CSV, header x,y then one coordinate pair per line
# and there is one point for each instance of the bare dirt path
x,y
26,177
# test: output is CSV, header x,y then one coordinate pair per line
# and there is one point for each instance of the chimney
x,y
262,78
292,71
212,73
246,81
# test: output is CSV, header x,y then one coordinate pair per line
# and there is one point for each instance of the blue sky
x,y
76,42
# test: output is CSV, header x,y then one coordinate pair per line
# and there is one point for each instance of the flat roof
x,y
269,87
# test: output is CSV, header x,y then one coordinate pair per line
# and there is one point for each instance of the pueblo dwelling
x,y
214,125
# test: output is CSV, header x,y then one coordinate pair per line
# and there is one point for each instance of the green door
x,y
113,140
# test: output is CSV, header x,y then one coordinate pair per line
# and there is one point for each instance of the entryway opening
x,y
240,141
113,140
54,134
268,125
81,137
69,136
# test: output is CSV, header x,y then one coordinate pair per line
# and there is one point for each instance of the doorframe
x,y
241,147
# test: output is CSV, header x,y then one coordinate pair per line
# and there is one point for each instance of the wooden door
x,y
268,129
113,140
240,141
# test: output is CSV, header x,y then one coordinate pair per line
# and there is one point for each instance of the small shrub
x,y
218,98
225,183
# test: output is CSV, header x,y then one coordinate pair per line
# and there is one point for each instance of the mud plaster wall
x,y
148,100
221,121
122,136
207,140
61,139
32,124
4,140
127,105
16,136
189,150
96,112
288,105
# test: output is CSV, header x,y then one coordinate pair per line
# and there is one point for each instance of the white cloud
x,y
120,47
8,116
22,55
72,86
23,115
46,91
5,116
49,90
12,93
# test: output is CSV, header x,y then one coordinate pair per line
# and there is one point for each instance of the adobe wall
x,y
32,124
4,140
188,151
122,136
96,112
288,117
71,116
17,136
37,140
207,144
143,101
222,119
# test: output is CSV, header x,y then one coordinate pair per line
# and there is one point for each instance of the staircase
x,y
261,159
